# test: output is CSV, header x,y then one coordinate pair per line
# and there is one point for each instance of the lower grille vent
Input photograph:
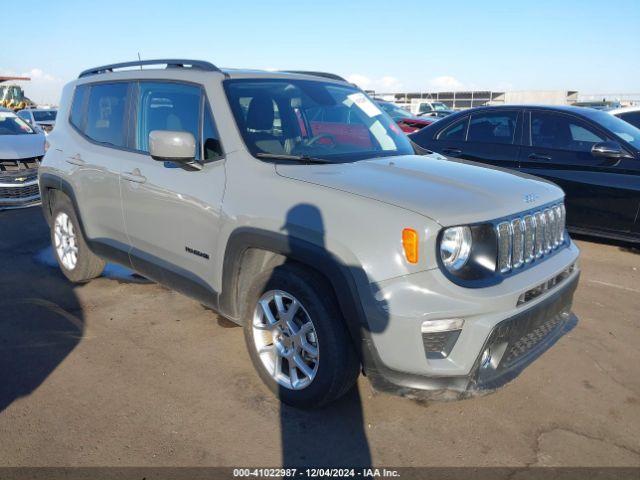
x,y
546,286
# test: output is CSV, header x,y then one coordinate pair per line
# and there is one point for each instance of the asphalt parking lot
x,y
124,372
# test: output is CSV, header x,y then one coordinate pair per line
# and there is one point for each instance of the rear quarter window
x,y
78,106
455,131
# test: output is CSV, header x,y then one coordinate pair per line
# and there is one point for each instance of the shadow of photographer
x,y
333,435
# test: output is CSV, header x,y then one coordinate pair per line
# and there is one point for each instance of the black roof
x,y
584,111
565,108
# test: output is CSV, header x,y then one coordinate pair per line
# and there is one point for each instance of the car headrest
x,y
260,114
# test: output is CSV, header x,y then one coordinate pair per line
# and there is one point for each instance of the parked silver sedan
x,y
44,118
21,150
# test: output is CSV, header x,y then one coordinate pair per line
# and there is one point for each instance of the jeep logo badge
x,y
530,197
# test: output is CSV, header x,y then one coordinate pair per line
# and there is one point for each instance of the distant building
x,y
477,98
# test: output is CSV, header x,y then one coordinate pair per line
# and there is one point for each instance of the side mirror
x,y
172,146
607,149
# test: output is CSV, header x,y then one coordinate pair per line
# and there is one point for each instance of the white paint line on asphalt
x,y
613,285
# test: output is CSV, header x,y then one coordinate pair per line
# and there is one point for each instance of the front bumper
x,y
514,343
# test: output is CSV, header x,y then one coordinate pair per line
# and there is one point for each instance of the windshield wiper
x,y
293,158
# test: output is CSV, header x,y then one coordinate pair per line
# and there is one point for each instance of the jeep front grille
x,y
534,235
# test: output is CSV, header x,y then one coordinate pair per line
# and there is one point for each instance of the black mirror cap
x,y
608,149
185,163
180,160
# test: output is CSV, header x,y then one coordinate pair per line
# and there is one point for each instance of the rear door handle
x,y
134,176
76,160
452,151
539,156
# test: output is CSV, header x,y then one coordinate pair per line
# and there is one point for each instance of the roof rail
x,y
332,76
170,63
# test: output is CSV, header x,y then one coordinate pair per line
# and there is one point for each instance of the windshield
x,y
439,106
620,128
396,112
12,125
311,118
44,115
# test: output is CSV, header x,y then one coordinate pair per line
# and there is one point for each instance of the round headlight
x,y
455,247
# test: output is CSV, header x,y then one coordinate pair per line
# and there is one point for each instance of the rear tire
x,y
316,327
77,262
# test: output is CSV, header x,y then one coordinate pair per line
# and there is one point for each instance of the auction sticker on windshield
x,y
363,103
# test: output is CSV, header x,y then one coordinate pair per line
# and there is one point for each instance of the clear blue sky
x,y
592,46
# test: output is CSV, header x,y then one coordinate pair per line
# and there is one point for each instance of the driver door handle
x,y
76,160
134,176
539,156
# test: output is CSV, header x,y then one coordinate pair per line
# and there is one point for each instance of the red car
x,y
407,121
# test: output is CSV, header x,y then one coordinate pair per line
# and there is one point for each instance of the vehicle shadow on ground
x,y
335,435
41,319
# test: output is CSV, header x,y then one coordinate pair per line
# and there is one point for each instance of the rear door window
x,y
562,132
106,112
167,106
493,127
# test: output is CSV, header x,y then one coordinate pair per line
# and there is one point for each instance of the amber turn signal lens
x,y
410,244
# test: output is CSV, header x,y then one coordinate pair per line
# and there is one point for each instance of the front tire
x,y
77,262
297,339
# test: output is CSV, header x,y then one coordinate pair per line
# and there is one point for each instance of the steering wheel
x,y
320,136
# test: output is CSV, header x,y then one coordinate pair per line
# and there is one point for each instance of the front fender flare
x,y
354,293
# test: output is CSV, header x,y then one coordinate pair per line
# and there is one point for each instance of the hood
x,y
15,147
449,192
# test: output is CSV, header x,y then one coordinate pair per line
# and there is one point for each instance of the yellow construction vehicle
x,y
12,95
